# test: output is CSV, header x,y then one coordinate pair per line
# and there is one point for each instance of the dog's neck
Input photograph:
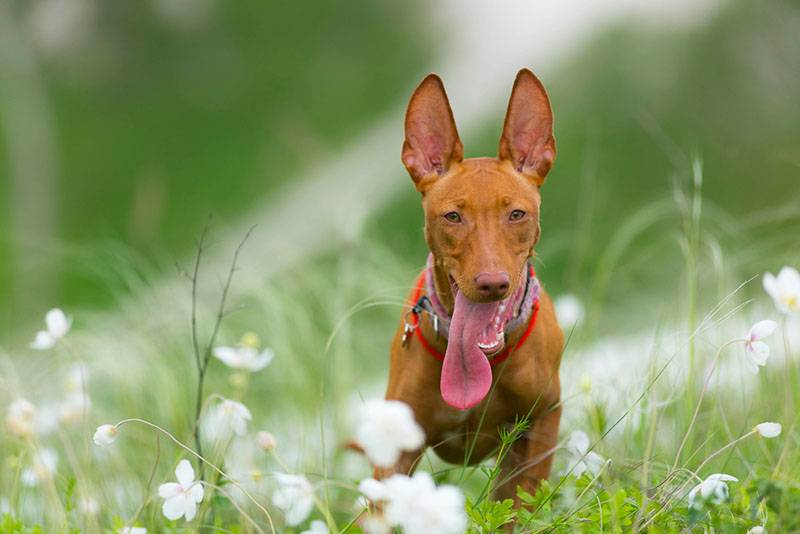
x,y
444,290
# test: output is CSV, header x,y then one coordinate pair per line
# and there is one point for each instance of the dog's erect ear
x,y
527,140
431,144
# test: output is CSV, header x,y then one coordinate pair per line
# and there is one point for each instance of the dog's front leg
x,y
530,459
405,465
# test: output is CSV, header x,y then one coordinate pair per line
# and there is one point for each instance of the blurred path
x,y
484,48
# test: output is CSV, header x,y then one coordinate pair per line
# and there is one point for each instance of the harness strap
x,y
498,359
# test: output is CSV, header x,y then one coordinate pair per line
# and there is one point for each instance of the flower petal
x,y
190,509
789,278
169,490
262,360
374,490
228,355
722,477
758,352
386,428
770,285
317,527
594,462
174,507
43,341
769,430
579,469
196,492
105,434
762,329
578,442
57,323
693,494
184,473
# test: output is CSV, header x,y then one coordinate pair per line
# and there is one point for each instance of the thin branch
x,y
224,297
202,362
195,343
193,278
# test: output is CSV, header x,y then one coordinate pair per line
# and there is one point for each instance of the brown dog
x,y
481,224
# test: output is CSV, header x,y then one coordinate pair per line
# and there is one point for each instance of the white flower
x,y
713,489
317,527
386,428
769,430
181,498
756,350
757,530
132,530
242,465
376,523
419,507
245,356
21,417
74,407
294,496
57,327
77,378
88,505
225,419
47,418
569,310
44,465
784,289
266,440
581,457
374,490
105,434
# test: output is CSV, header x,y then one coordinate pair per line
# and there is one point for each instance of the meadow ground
x,y
649,413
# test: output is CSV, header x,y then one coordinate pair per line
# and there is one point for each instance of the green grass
x,y
329,321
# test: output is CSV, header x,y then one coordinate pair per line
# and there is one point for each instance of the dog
x,y
480,347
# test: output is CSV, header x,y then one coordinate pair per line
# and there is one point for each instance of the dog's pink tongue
x,y
466,373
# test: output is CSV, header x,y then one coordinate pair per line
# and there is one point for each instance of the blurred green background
x,y
125,125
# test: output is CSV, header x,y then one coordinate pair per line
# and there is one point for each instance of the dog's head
x,y
481,214
481,221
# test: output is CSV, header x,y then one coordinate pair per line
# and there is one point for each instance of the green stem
x,y
700,400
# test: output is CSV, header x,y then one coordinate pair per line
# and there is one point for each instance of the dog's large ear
x,y
431,144
527,140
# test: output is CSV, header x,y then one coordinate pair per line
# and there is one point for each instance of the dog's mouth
x,y
477,332
492,338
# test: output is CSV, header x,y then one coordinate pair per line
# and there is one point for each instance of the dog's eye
x,y
516,215
452,217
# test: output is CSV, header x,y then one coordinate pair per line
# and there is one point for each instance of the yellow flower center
x,y
250,340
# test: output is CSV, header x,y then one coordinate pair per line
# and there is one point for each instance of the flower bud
x,y
266,440
105,434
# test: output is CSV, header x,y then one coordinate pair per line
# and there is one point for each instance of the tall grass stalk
x,y
703,391
691,206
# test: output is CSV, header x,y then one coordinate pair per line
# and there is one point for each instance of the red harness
x,y
500,358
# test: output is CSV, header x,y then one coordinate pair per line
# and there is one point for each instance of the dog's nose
x,y
492,285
